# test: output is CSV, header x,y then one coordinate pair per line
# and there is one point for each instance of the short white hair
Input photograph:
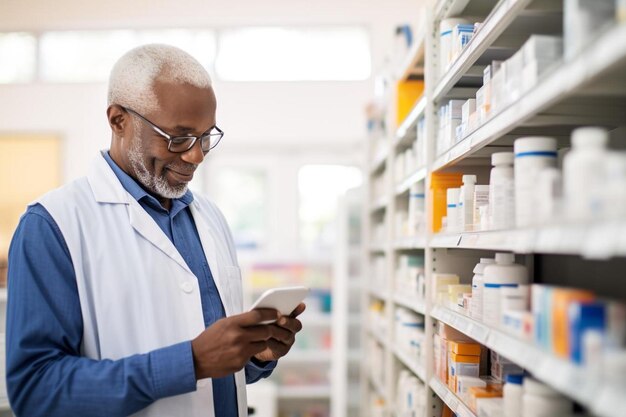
x,y
131,83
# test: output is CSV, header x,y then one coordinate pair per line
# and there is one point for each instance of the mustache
x,y
183,168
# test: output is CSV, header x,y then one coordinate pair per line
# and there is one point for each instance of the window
x,y
320,186
241,194
18,54
293,54
88,56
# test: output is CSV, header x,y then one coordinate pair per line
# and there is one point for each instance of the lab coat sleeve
x,y
46,375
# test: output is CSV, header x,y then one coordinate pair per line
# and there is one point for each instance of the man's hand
x,y
226,346
283,336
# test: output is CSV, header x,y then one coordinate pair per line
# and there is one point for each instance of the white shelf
x,y
418,370
380,204
472,328
307,357
379,337
408,128
377,247
600,240
406,184
585,387
502,16
602,56
411,66
452,401
379,161
304,392
411,303
378,293
449,8
408,243
378,387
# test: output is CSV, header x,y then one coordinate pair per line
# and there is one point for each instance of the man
x,y
124,291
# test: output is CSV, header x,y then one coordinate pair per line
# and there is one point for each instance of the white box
x,y
542,48
468,108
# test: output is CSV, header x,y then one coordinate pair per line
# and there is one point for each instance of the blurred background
x,y
291,78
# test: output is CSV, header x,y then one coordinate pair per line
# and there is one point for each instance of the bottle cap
x,y
502,158
535,144
514,379
469,179
505,258
590,137
480,267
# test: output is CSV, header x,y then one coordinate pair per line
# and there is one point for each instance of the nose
x,y
194,155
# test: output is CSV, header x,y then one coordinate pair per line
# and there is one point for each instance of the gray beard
x,y
155,184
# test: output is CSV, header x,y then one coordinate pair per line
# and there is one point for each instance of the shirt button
x,y
187,287
201,383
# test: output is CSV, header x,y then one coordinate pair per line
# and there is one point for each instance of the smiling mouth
x,y
185,177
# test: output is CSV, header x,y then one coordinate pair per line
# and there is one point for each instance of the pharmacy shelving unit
x,y
586,89
347,306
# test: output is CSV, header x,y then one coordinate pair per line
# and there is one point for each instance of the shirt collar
x,y
139,193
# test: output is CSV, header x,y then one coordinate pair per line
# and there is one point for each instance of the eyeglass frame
x,y
169,138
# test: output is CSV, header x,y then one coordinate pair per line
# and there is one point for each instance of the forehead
x,y
183,104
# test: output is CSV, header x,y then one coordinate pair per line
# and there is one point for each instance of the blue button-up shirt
x,y
46,376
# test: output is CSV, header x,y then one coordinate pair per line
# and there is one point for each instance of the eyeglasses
x,y
179,144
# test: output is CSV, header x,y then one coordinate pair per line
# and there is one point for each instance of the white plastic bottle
x,y
466,200
502,191
452,213
532,155
512,393
539,400
504,273
583,171
445,42
476,312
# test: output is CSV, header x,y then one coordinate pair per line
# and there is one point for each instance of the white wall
x,y
255,116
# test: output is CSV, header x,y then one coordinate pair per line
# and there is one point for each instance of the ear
x,y
119,120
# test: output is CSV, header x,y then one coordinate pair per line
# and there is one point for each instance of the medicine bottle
x,y
512,393
503,273
583,171
532,155
476,310
501,191
466,201
452,213
539,400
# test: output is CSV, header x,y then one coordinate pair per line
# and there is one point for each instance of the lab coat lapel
x,y
147,227
211,250
107,189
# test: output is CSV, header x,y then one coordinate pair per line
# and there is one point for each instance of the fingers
x,y
256,317
298,310
291,324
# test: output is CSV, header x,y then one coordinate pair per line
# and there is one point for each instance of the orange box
x,y
463,348
466,365
480,392
562,298
437,201
407,94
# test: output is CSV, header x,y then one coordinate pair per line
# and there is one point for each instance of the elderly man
x,y
124,290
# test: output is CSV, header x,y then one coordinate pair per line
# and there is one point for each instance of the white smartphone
x,y
284,299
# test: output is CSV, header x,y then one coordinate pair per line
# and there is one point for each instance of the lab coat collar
x,y
108,189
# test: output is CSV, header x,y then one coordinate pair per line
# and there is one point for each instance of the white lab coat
x,y
136,292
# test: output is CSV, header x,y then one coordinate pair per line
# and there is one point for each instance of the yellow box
x,y
407,94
